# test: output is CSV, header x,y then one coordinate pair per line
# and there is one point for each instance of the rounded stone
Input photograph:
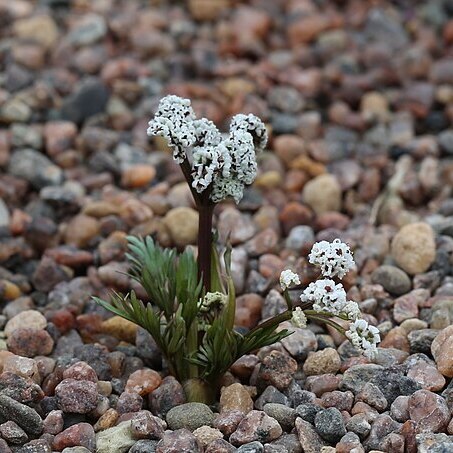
x,y
30,342
182,223
330,425
322,362
392,279
81,230
190,416
79,397
429,410
322,194
256,426
143,381
235,397
28,318
414,248
442,350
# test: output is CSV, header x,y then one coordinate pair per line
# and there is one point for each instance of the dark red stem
x,y
205,211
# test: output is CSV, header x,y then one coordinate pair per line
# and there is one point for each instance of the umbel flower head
x,y
334,258
224,165
326,299
364,337
288,278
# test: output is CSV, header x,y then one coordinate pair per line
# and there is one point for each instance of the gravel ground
x,y
358,97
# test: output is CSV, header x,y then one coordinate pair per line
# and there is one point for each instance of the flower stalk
x,y
193,300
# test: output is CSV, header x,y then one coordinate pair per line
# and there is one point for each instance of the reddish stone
x,y
81,434
294,214
29,342
63,319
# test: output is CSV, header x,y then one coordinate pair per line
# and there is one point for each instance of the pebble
x,y
128,402
322,194
117,438
88,99
300,238
441,349
13,433
80,434
189,416
309,439
322,362
30,318
207,435
414,248
285,415
144,425
300,343
341,400
39,29
277,369
330,425
81,230
256,426
26,417
143,382
35,168
169,394
392,279
182,224
76,396
235,397
372,395
421,340
54,422
429,410
30,342
424,371
228,421
179,441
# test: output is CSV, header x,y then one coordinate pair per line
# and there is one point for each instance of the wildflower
x,y
364,336
288,278
174,121
325,296
299,319
351,310
334,258
212,300
227,187
223,165
254,126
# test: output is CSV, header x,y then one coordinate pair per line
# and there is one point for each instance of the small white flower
x,y
325,295
223,165
364,336
288,278
334,258
299,319
253,125
227,187
211,300
351,310
174,121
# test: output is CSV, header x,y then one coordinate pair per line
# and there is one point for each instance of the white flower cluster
x,y
299,319
334,258
224,165
212,300
174,121
364,336
288,278
326,295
